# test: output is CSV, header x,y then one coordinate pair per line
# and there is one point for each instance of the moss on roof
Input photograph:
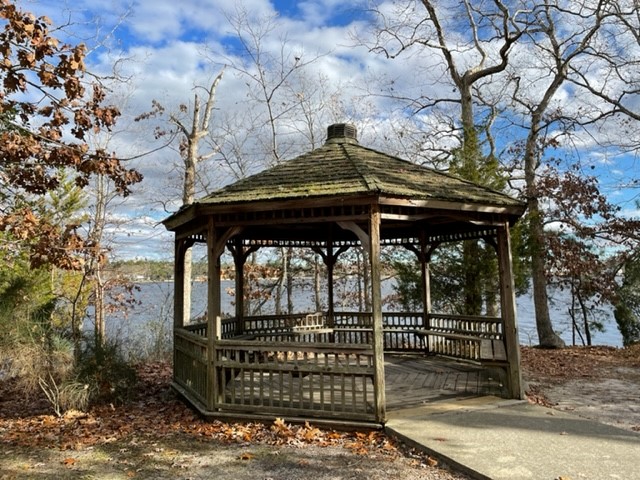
x,y
347,168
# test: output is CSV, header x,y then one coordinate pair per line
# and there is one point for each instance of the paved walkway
x,y
493,438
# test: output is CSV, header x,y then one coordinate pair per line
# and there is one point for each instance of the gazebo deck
x,y
411,381
266,374
415,380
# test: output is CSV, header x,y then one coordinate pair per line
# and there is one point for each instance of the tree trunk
x,y
359,283
547,338
99,308
279,284
585,320
188,195
366,281
466,115
188,269
491,283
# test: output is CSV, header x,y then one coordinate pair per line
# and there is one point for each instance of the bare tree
x,y
474,41
286,105
191,127
566,40
508,62
191,136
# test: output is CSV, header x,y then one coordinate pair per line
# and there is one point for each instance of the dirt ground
x,y
156,437
180,457
599,383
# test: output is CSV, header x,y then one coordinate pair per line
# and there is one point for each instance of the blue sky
x,y
165,49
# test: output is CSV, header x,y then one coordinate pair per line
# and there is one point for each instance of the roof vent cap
x,y
342,133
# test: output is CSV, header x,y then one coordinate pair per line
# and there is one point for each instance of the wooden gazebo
x,y
330,365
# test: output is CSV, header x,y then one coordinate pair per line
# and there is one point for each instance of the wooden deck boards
x,y
417,380
411,381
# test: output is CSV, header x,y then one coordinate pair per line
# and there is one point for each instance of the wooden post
x,y
178,284
178,292
213,315
424,256
376,313
329,258
239,260
426,286
508,309
426,292
330,262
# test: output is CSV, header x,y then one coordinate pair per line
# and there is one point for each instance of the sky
x,y
167,50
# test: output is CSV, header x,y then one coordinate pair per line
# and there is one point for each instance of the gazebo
x,y
330,365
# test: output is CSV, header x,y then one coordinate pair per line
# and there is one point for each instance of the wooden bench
x,y
490,350
311,324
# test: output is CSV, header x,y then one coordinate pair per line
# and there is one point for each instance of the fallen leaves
x,y
536,395
544,367
576,362
155,412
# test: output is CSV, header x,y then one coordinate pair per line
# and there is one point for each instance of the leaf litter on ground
x,y
145,428
155,415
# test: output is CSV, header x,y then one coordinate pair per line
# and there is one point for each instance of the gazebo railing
x,y
447,334
399,327
484,327
295,379
325,372
190,360
276,377
464,336
304,327
478,338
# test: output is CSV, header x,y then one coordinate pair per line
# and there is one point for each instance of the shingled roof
x,y
343,167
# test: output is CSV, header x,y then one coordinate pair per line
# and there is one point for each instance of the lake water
x,y
153,316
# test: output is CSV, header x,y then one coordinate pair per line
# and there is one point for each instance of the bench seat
x,y
491,350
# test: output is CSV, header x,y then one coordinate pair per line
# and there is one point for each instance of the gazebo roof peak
x,y
342,133
343,168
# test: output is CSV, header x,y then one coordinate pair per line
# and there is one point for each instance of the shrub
x,y
628,324
109,376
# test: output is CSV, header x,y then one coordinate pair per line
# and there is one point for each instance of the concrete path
x,y
493,438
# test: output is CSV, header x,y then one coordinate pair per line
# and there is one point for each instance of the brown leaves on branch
x,y
50,243
591,240
47,110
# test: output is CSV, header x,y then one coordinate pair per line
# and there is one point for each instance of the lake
x,y
152,319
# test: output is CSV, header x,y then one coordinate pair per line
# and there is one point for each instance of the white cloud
x,y
172,46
